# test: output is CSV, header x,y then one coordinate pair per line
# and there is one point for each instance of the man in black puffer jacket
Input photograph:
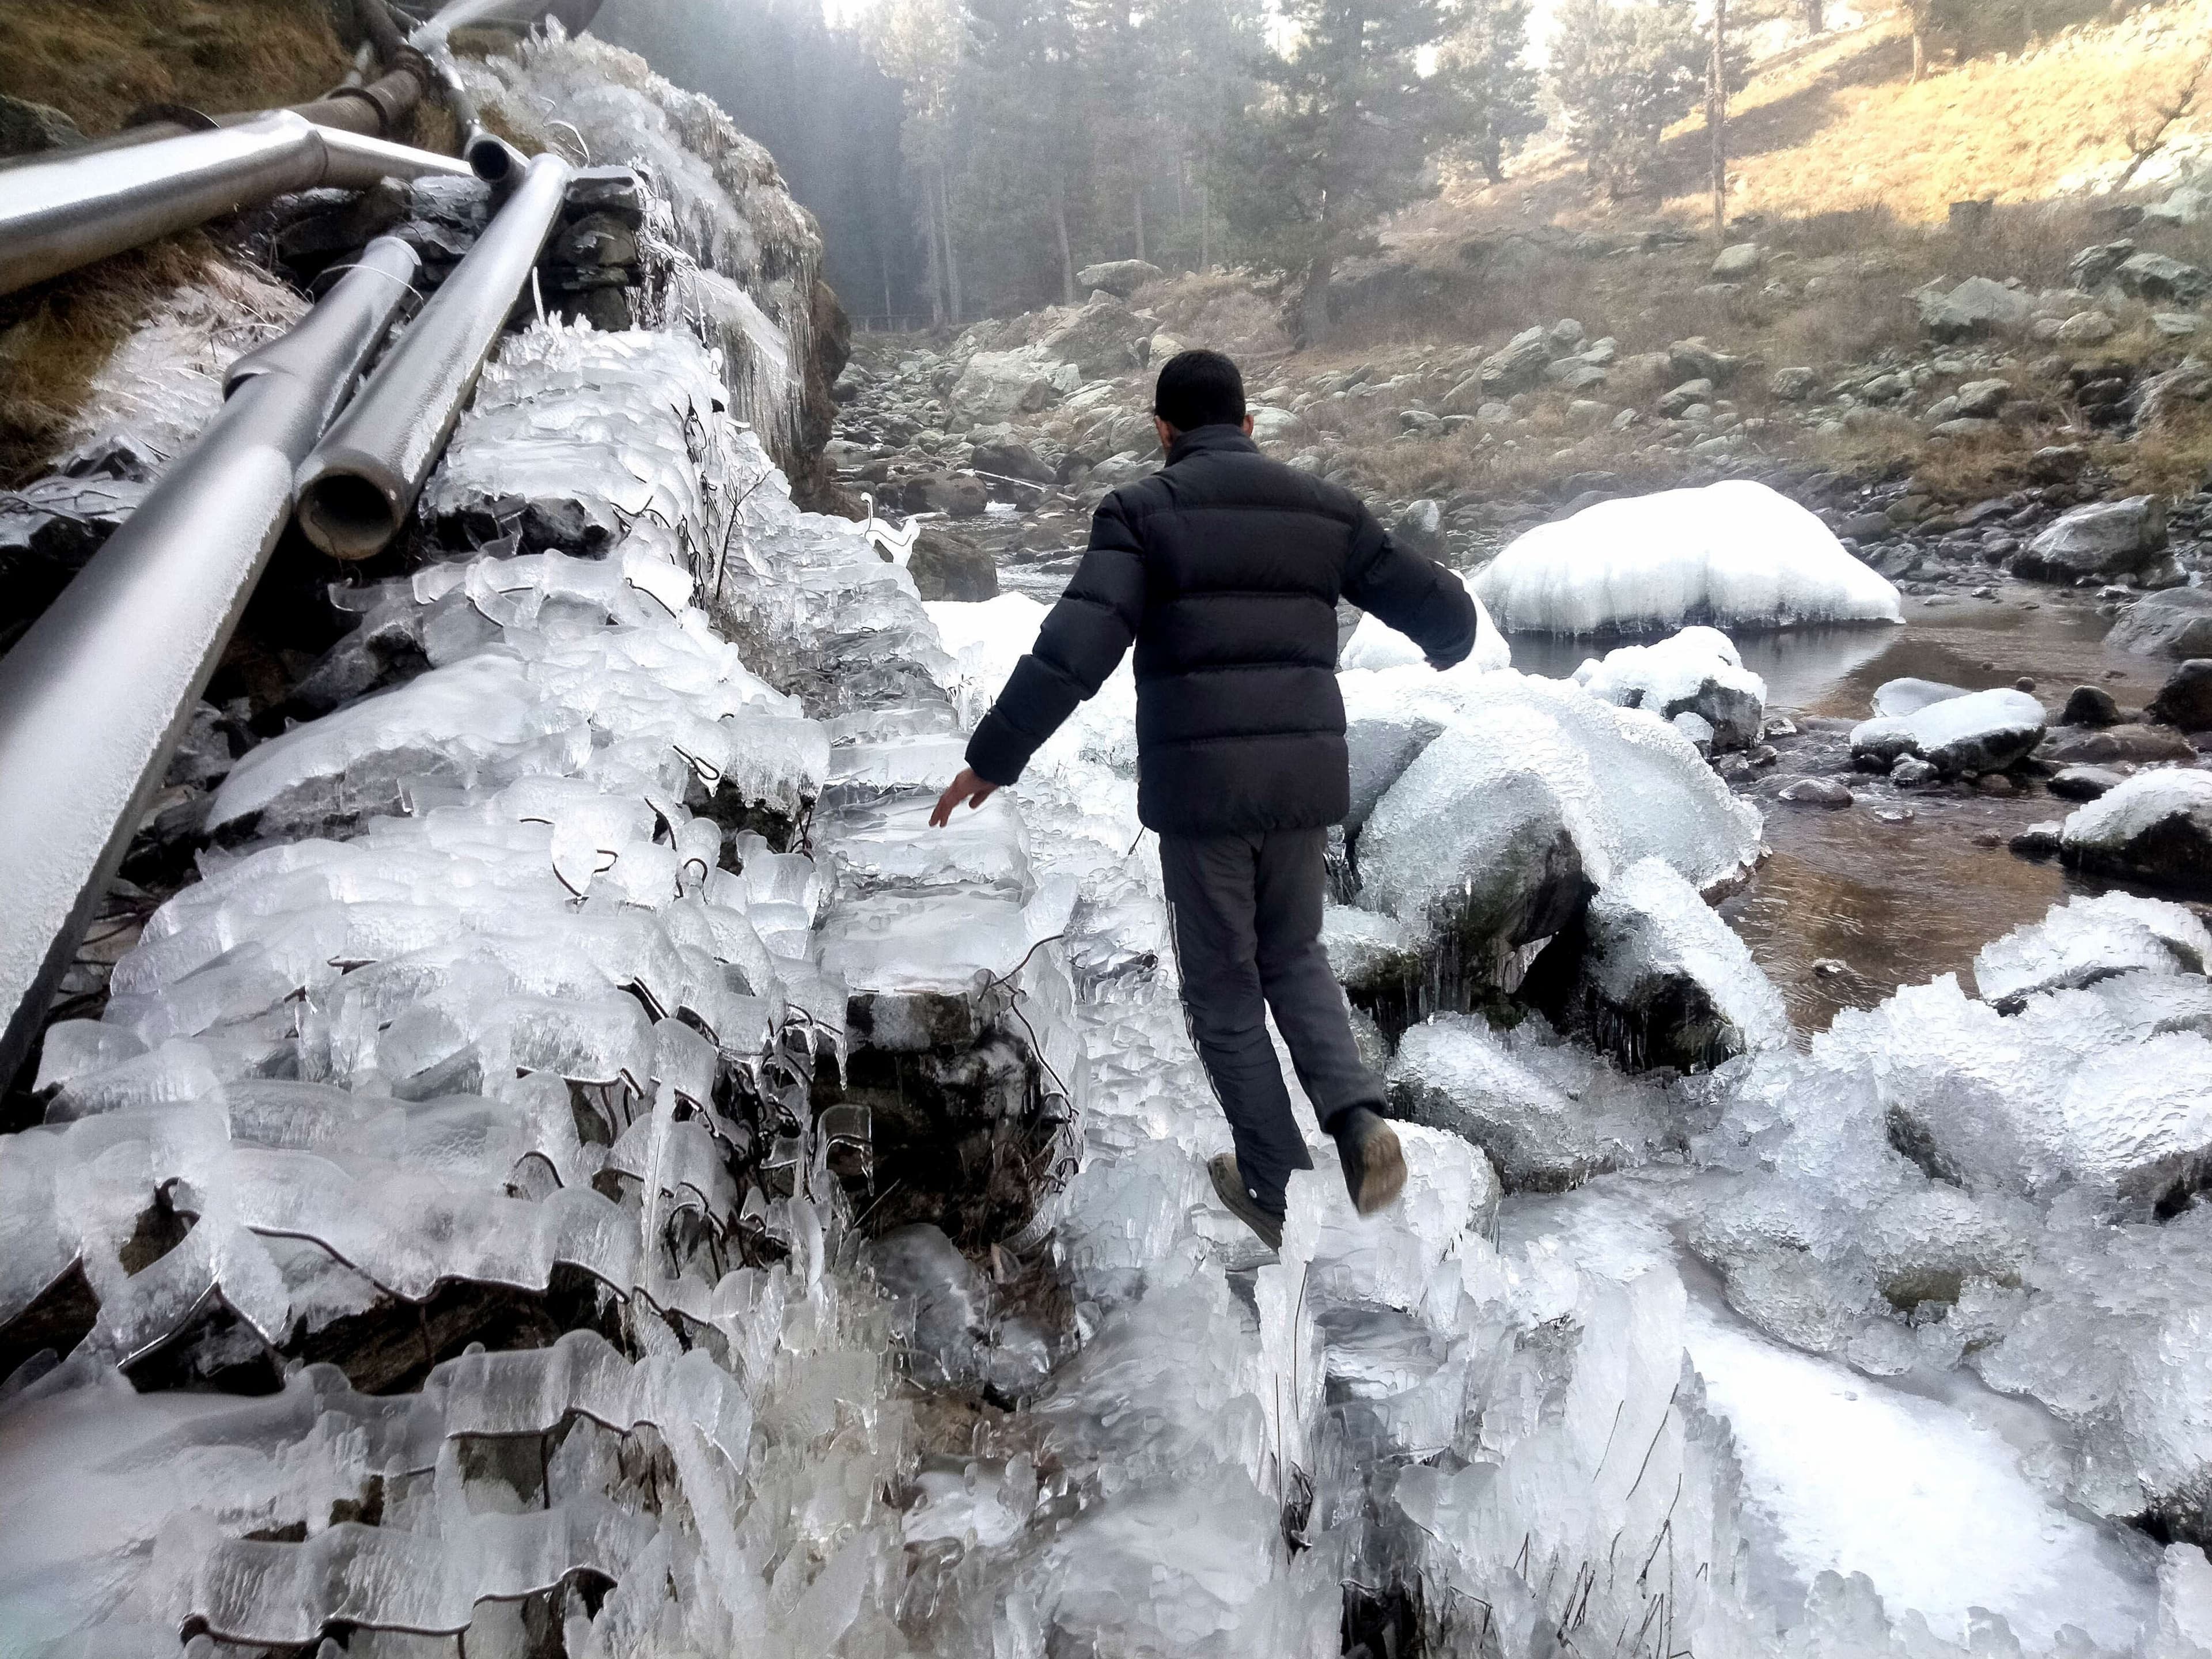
x,y
1225,568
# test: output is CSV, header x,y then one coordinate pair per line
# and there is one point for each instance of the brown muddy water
x,y
1852,904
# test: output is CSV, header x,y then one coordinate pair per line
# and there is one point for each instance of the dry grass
x,y
55,340
98,60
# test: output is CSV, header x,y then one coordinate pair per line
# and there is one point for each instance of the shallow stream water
x,y
1850,905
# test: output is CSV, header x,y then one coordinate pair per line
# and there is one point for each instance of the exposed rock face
x,y
2105,538
2155,276
1977,307
996,385
2175,623
1121,277
1103,339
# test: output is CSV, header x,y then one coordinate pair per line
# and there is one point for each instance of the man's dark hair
x,y
1200,388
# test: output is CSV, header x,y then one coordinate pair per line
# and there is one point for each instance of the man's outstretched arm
x,y
1081,643
1417,597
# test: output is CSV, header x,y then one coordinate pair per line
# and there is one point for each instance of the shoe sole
x,y
1233,1201
1381,1173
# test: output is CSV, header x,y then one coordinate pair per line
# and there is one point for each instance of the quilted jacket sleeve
x,y
1080,644
1417,597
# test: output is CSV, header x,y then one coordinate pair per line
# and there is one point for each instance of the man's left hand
x,y
968,787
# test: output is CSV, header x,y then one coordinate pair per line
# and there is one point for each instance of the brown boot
x,y
1374,1163
1229,1187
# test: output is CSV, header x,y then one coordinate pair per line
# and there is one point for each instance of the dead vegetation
x,y
54,340
98,61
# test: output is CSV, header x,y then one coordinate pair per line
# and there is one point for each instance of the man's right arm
x,y
1081,643
1417,597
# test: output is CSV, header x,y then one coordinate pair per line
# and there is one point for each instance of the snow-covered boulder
x,y
1516,798
1697,672
1664,980
1549,1113
2155,827
1370,953
2091,939
1960,736
1375,644
1734,554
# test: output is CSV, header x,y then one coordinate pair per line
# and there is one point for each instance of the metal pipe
x,y
489,156
93,697
60,214
359,486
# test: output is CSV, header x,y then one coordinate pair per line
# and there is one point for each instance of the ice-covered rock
x,y
1734,554
1371,954
1374,644
1663,981
1549,1114
1489,835
2155,827
1896,699
1697,672
2089,939
1960,736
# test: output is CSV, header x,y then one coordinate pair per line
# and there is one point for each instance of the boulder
x,y
948,566
2187,384
996,385
2175,623
1695,359
1960,737
1739,262
1794,385
1818,791
2092,267
2090,706
1685,396
1661,980
27,128
1421,529
1519,364
1982,399
2185,700
2156,827
1120,277
2105,538
2114,745
952,494
2155,276
1271,425
1103,339
1975,308
1011,461
2086,328
2085,783
1373,956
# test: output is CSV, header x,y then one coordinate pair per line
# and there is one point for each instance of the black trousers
x,y
1246,916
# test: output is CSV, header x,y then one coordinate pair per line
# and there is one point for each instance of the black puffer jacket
x,y
1225,568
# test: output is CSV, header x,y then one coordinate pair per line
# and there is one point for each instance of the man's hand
x,y
968,787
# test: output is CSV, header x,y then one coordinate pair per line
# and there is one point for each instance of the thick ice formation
x,y
1666,981
1734,554
757,252
2088,940
1498,797
1697,672
1374,644
1549,1113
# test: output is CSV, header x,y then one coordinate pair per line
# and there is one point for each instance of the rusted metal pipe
x,y
359,486
94,696
58,214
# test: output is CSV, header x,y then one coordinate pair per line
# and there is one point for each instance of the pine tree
x,y
1622,74
1343,133
1490,56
